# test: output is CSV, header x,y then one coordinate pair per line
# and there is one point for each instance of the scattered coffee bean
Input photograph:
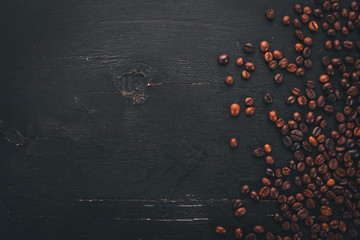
x,y
234,109
270,14
233,142
248,47
268,98
229,80
223,59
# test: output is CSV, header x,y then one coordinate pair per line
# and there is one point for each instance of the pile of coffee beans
x,y
324,172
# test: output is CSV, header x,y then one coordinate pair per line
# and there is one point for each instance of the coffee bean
x,y
291,67
286,20
220,230
298,8
268,98
279,78
267,148
268,56
234,109
306,52
296,135
240,212
298,47
238,233
308,41
273,116
273,65
313,26
248,47
233,142
259,152
245,189
251,236
229,80
254,196
245,74
278,54
264,46
299,60
249,101
297,23
270,14
249,66
239,62
305,18
223,59
250,111
300,72
326,210
237,203
264,191
348,45
283,63
302,100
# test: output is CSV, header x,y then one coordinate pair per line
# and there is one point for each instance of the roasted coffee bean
x,y
245,74
348,45
298,8
299,60
239,62
234,109
233,142
298,47
291,67
273,65
264,46
259,152
268,98
249,111
258,229
223,59
240,212
297,135
286,20
290,99
297,23
239,233
254,196
220,230
283,63
326,210
248,47
229,80
308,41
270,14
273,116
313,26
237,203
245,189
249,101
279,78
249,66
304,18
277,54
306,52
300,72
302,100
251,236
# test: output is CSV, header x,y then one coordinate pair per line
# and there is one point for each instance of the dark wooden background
x,y
79,160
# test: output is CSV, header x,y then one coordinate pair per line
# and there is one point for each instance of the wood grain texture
x,y
79,160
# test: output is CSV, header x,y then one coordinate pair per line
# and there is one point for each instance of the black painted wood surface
x,y
114,116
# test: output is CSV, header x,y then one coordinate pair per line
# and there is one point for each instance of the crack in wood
x,y
132,84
